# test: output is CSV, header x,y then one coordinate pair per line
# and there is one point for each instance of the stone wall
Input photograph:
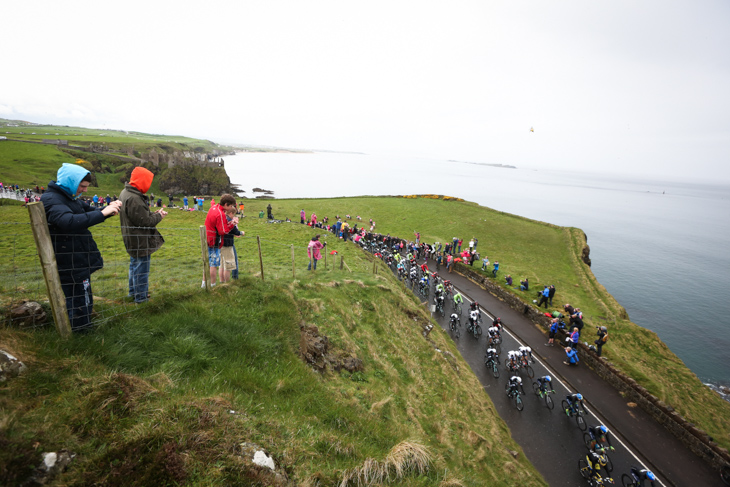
x,y
693,438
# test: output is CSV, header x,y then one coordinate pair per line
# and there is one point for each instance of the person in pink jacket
x,y
314,251
302,216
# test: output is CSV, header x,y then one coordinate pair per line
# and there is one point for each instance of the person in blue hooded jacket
x,y
77,255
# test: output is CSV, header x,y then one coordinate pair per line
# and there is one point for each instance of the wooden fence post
x,y
293,267
47,256
204,254
261,259
342,261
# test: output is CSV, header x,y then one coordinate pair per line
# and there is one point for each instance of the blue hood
x,y
69,177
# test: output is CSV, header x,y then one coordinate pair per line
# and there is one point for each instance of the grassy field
x,y
165,394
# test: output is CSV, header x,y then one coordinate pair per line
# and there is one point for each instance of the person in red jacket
x,y
217,225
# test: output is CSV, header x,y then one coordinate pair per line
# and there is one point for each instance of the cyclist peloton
x,y
642,475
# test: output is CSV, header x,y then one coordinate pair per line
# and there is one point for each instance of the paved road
x,y
551,440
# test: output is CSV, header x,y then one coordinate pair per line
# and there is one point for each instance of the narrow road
x,y
551,440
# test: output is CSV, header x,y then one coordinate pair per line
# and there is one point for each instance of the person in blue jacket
x,y
572,356
495,269
544,297
77,255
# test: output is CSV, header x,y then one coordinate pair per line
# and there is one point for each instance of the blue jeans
x,y
139,273
309,267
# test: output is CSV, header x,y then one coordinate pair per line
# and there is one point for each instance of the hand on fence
x,y
112,208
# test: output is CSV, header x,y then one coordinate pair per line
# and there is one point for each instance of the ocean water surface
x,y
660,248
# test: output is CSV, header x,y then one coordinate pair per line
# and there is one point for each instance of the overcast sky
x,y
639,86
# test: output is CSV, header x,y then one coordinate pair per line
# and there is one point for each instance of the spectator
x,y
544,297
216,226
302,216
485,263
509,280
572,356
554,325
77,255
139,231
577,318
495,269
574,338
524,285
602,339
314,251
269,214
551,294
229,256
185,202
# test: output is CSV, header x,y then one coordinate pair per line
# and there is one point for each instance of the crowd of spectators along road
x,y
446,255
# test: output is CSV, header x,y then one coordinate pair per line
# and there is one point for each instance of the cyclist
x,y
600,434
545,383
498,323
458,299
455,320
491,356
515,384
595,463
527,353
438,300
424,269
473,317
424,282
642,475
413,274
440,289
493,332
574,401
474,305
512,357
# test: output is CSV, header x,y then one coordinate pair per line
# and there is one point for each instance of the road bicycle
x,y
594,478
725,474
632,479
573,410
514,393
495,342
544,394
492,363
455,325
525,364
474,329
440,305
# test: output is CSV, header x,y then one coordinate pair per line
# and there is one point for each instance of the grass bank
x,y
167,395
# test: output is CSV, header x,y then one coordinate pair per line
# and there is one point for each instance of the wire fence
x,y
176,268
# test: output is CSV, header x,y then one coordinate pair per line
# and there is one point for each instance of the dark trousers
x,y
79,303
599,346
543,300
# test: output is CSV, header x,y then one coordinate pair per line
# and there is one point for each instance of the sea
x,y
660,248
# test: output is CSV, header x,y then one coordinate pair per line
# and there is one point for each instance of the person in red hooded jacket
x,y
139,231
216,226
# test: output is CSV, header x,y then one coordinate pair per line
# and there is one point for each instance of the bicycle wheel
x,y
530,372
585,471
518,403
477,331
536,388
588,440
495,370
566,407
627,480
581,422
725,474
549,401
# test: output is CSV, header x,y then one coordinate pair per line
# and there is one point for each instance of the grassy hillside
x,y
167,395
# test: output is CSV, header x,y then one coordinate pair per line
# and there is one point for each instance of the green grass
x,y
165,396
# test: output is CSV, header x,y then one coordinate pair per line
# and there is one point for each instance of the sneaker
x,y
202,286
548,344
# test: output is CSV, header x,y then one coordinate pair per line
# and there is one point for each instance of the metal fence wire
x,y
177,268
